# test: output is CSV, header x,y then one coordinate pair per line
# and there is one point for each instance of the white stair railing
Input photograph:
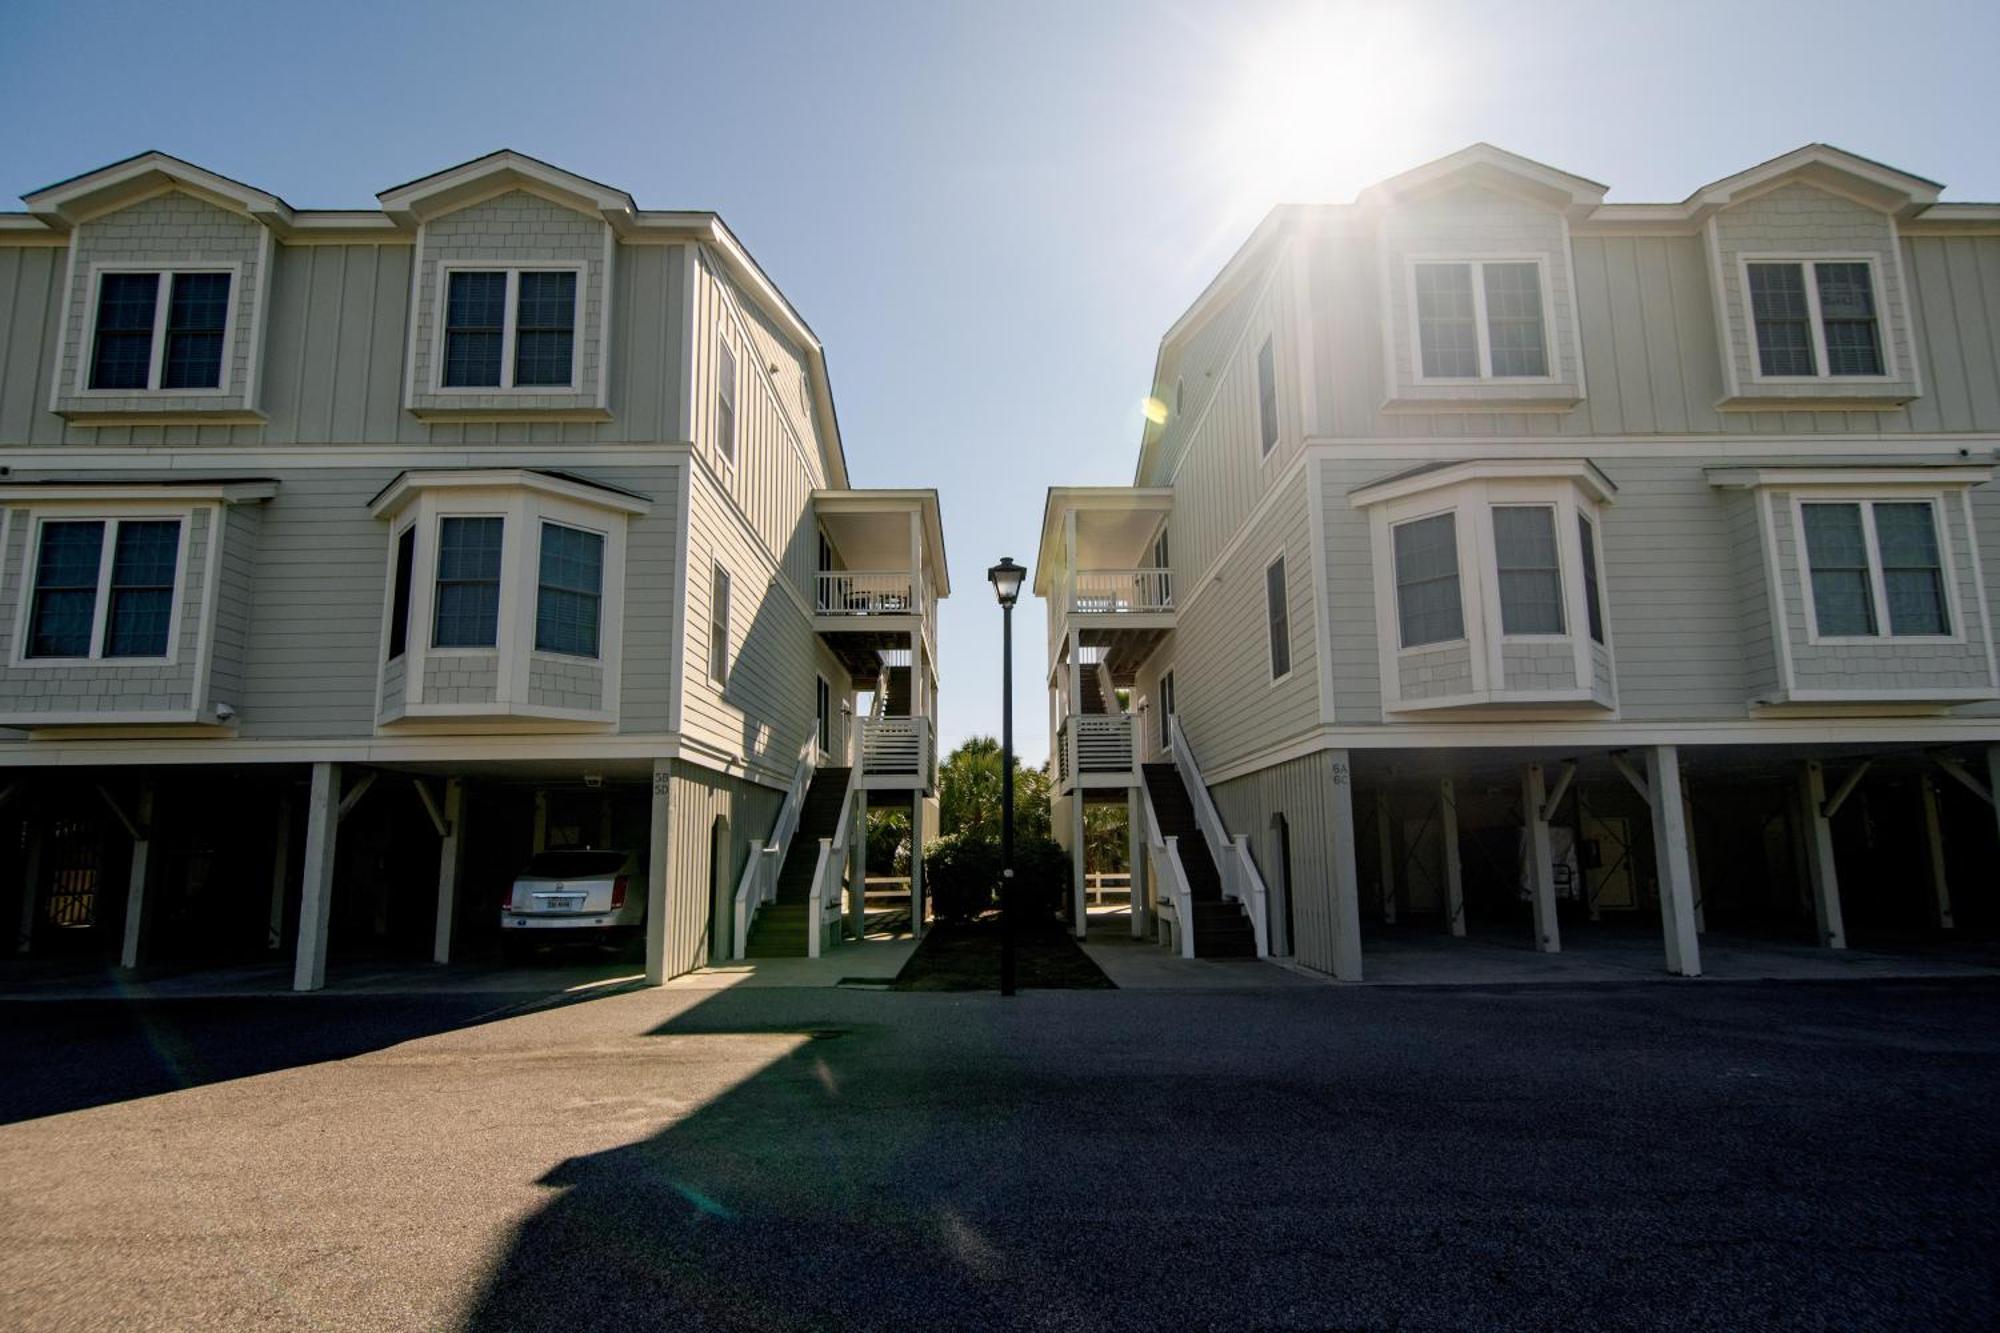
x,y
824,900
1176,904
759,883
1233,862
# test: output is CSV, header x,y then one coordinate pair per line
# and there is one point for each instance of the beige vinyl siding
x,y
1301,790
242,526
763,714
697,932
1221,656
335,342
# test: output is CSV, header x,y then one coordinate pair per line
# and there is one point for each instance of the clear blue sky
x,y
991,212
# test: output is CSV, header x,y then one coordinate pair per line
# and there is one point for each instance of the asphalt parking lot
x,y
1618,1155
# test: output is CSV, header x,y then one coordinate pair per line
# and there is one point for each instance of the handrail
x,y
759,884
1179,898
1240,879
870,592
1118,591
1106,689
832,853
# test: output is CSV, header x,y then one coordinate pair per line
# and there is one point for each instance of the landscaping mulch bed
x,y
963,957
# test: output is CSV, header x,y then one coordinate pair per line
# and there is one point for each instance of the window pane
x,y
1427,595
718,628
475,324
124,355
468,583
1847,313
1912,569
399,603
567,603
66,567
545,328
1784,324
142,588
1592,604
1267,395
1524,541
1514,320
197,313
1278,614
1837,554
725,404
1447,339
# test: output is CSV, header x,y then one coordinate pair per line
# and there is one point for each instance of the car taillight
x,y
507,900
618,892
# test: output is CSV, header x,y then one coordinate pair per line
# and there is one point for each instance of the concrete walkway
x,y
872,962
1143,965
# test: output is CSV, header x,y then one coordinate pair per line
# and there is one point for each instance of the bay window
x,y
104,588
1875,566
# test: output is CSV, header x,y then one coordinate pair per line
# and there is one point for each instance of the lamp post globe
x,y
1006,578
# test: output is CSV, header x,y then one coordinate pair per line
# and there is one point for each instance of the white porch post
x,y
31,883
541,842
917,863
1541,859
316,894
659,846
1694,862
1670,858
857,867
1993,780
281,869
1934,843
138,904
1385,853
1346,874
1454,880
1078,884
1820,859
1135,858
451,867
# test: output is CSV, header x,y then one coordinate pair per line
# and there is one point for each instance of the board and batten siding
x,y
1303,791
1652,362
333,364
700,903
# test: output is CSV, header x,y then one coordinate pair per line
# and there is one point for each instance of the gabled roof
x,y
1483,164
454,187
1864,179
79,198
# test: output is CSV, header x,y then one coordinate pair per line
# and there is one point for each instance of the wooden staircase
x,y
896,703
1221,930
1092,698
780,930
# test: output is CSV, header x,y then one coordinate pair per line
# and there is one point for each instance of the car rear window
x,y
575,864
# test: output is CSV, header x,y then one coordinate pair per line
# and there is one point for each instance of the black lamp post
x,y
1006,579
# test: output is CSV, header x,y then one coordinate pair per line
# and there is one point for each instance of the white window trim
x,y
1482,331
1267,452
1877,584
1291,656
603,591
1810,261
424,500
823,750
725,458
1471,497
715,566
162,304
513,269
110,516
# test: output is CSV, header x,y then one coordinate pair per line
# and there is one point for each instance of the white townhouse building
x,y
349,557
1495,554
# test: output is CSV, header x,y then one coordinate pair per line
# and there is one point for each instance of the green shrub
x,y
961,875
1041,878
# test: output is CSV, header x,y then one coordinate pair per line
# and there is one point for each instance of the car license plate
x,y
565,903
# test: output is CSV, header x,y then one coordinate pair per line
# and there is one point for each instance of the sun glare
x,y
1324,102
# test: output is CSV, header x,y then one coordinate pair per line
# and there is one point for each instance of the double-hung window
x,y
1480,319
468,582
718,627
1278,618
1428,605
86,606
509,329
1875,560
1593,598
725,404
1815,319
1167,711
143,342
570,593
1524,548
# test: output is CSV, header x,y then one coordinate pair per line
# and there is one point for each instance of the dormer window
x,y
142,343
511,328
1815,319
1480,319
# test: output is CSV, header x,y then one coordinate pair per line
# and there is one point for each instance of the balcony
x,y
879,576
850,593
1119,592
1096,750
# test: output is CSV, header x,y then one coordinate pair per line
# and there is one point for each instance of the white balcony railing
x,y
1120,591
1231,855
1095,743
860,592
895,751
759,884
